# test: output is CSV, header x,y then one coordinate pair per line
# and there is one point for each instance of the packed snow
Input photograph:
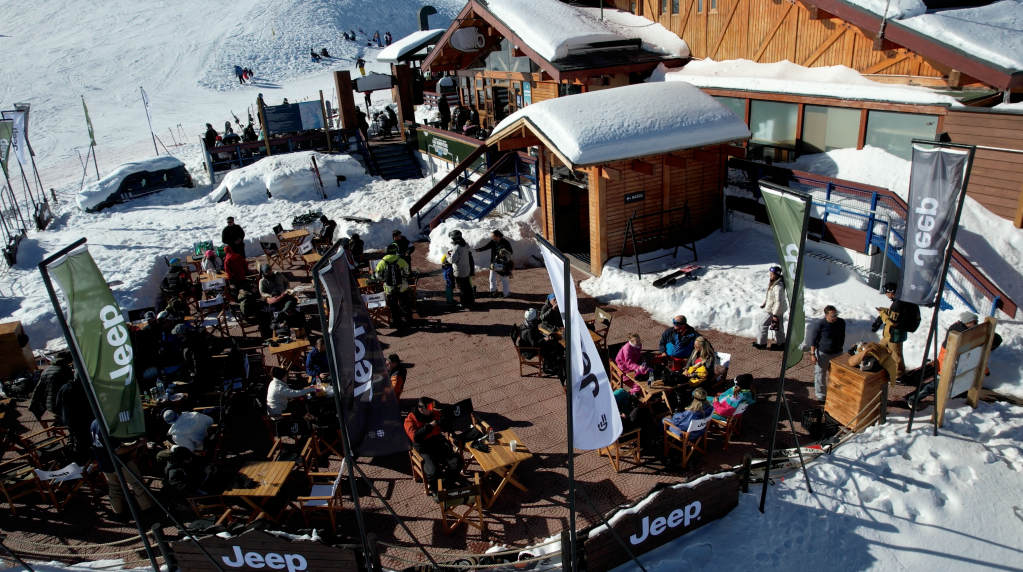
x,y
289,177
612,124
655,37
408,45
96,192
787,77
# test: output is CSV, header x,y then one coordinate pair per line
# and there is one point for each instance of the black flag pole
x,y
793,298
932,331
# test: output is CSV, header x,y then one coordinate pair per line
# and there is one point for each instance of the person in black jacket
x,y
329,226
53,378
210,137
897,320
827,338
357,247
73,404
444,111
405,247
234,236
176,281
194,349
186,473
530,335
392,120
550,315
497,243
292,318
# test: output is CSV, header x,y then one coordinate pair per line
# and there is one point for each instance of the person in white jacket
x,y
774,306
278,394
462,267
187,429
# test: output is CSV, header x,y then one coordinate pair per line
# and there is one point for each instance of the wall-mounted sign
x,y
294,117
635,197
662,517
373,82
468,40
255,550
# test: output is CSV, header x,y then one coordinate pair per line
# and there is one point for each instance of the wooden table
x,y
269,477
291,240
311,259
557,333
299,344
501,461
205,276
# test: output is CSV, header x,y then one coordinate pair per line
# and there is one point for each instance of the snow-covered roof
x,y
992,33
99,191
287,177
626,122
408,45
787,77
554,29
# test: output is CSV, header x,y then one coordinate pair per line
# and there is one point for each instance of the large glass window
x,y
774,123
713,5
827,128
674,6
503,60
893,132
664,6
736,105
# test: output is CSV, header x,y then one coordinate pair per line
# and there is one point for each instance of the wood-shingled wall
x,y
996,180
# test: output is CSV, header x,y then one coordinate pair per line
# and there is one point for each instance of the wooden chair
x,y
682,443
274,255
379,312
17,479
418,474
720,374
601,323
59,486
301,453
470,497
732,425
324,443
323,497
617,378
212,506
524,362
627,445
46,445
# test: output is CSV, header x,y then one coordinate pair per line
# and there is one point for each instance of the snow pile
x,y
287,177
655,37
787,77
427,114
408,45
993,33
870,166
99,191
613,124
885,501
520,232
549,27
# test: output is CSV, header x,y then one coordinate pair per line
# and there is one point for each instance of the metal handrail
x,y
472,190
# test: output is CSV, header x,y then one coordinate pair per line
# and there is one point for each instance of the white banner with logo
x,y
149,110
594,411
18,137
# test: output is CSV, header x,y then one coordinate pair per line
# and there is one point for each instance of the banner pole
x,y
933,330
568,400
14,199
794,297
93,147
91,397
149,119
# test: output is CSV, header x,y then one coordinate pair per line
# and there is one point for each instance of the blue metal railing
x,y
460,185
497,190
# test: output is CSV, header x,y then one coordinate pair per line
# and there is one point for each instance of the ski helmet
x,y
455,234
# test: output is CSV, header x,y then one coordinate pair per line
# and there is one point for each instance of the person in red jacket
x,y
236,267
440,460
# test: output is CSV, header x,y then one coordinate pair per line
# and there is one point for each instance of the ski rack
x,y
661,233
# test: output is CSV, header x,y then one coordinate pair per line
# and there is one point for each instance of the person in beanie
x,y
398,373
462,267
550,315
439,458
827,338
292,318
234,236
676,344
393,271
899,320
210,137
405,248
774,306
211,262
108,468
499,266
728,401
236,268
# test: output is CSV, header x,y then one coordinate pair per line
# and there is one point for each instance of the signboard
x,y
527,92
255,550
966,355
832,208
445,148
660,518
635,197
373,82
294,117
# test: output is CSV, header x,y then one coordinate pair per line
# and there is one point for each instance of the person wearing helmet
x,y
774,306
900,319
530,335
393,271
463,268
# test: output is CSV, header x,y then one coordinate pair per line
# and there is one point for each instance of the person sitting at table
x,y
439,457
194,349
177,306
676,344
187,429
698,409
176,280
530,335
630,359
255,310
273,287
701,364
550,316
398,373
357,247
236,268
393,271
316,365
186,474
290,317
728,401
211,262
278,394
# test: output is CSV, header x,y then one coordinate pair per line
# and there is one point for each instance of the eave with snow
x,y
411,48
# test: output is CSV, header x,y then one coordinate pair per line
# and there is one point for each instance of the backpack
x,y
392,275
911,320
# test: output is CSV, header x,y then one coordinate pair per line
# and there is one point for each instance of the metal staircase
x,y
394,161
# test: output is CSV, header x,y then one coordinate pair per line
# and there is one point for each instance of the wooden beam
x,y
642,167
955,78
838,33
724,29
517,143
885,64
770,34
610,173
884,44
818,14
675,161
1017,221
701,155
861,136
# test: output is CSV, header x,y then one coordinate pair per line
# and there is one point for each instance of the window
x,y
674,6
893,132
827,128
664,6
502,59
713,5
774,123
736,105
569,89
699,6
632,7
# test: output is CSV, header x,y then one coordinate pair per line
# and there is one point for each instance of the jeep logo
x,y
660,524
272,560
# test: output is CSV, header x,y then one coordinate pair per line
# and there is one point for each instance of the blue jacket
x,y
449,276
678,345
316,363
682,419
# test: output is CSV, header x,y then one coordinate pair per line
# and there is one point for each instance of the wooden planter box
x,y
14,358
850,390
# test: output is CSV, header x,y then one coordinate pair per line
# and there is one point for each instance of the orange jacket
x,y
419,431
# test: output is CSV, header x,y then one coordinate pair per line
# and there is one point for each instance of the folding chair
x,y
274,255
535,361
324,496
418,474
601,323
470,497
65,482
732,425
212,506
213,315
682,443
627,445
720,373
618,378
322,444
46,445
379,312
17,479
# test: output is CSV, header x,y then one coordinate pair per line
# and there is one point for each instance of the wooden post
x,y
402,93
598,220
326,130
882,417
266,128
747,462
345,99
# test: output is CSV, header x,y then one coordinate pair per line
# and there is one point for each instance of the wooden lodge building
x,y
507,55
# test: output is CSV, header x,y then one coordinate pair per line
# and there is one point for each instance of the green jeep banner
x,y
100,334
787,212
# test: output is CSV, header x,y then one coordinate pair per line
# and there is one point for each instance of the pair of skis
x,y
785,461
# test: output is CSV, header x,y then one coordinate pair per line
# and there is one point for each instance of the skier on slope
x,y
387,38
240,73
314,55
361,64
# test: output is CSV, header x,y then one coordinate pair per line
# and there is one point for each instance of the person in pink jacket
x,y
630,359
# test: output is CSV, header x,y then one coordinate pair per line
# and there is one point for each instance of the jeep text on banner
x,y
255,550
100,334
6,134
370,407
935,181
594,411
786,211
